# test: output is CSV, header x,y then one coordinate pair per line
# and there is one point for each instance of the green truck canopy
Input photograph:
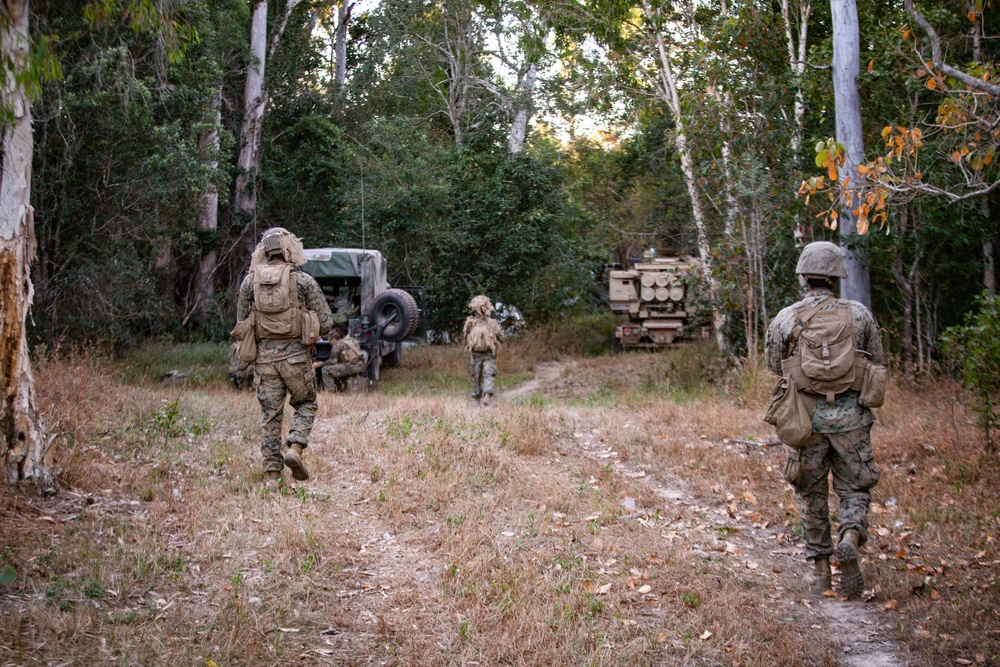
x,y
368,265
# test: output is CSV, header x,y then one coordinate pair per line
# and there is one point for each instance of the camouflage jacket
x,y
844,414
311,296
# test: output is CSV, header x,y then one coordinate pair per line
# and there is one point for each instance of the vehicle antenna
x,y
363,248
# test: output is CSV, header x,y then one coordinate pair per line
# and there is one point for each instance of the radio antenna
x,y
363,248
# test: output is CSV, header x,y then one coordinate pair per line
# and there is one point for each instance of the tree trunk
x,y
906,292
847,102
525,99
207,216
669,91
23,440
340,46
797,63
989,269
254,101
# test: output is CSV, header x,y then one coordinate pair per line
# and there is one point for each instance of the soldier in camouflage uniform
x,y
841,440
284,366
482,339
346,360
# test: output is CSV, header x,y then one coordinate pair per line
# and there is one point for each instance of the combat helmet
x,y
481,305
279,241
822,258
271,241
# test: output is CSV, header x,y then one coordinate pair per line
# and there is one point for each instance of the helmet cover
x,y
481,305
822,258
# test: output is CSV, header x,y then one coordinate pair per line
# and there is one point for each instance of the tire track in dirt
x,y
864,638
395,602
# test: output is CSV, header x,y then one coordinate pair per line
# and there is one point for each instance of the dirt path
x,y
865,638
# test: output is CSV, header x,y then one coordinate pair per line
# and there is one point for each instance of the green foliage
x,y
975,349
8,574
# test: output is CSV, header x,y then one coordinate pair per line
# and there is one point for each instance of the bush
x,y
975,349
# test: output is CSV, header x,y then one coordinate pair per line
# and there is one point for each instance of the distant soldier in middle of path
x,y
482,339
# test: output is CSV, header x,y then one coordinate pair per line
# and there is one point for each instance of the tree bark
x,y
906,292
847,103
797,63
668,90
23,440
340,46
524,101
207,216
254,101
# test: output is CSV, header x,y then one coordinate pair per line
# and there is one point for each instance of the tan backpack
x,y
481,337
350,352
276,301
829,360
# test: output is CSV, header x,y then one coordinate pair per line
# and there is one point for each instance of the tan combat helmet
x,y
279,240
822,259
480,305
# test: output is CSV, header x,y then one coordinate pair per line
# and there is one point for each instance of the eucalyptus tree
x,y
26,64
847,103
254,103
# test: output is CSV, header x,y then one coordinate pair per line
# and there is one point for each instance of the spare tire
x,y
398,311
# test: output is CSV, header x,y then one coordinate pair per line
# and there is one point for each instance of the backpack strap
x,y
801,324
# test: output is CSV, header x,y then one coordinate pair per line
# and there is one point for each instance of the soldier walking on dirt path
x,y
482,339
829,352
284,310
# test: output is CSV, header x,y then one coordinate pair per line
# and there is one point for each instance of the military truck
x,y
354,281
653,293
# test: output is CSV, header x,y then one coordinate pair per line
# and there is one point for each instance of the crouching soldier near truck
x,y
281,312
346,360
829,354
482,339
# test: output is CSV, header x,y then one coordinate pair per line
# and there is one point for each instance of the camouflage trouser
x,y
849,456
335,374
483,369
274,381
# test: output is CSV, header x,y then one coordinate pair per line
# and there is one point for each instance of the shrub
x,y
975,349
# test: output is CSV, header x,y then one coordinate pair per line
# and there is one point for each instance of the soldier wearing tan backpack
x,y
281,313
829,354
482,340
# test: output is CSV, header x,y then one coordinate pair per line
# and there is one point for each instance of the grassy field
x,y
608,510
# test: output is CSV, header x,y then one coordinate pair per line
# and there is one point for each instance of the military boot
x,y
819,581
852,581
486,400
273,479
293,459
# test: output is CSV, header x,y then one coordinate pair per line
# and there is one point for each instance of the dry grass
x,y
437,533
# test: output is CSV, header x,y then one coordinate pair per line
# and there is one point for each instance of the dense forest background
x,y
505,147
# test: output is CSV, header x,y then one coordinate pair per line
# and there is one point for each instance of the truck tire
x,y
398,311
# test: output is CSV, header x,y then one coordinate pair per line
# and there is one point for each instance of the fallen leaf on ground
x,y
589,586
890,605
829,593
705,635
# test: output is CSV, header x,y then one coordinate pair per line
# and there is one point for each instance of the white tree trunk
x,y
525,100
668,90
847,103
207,216
254,101
797,63
23,440
340,45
